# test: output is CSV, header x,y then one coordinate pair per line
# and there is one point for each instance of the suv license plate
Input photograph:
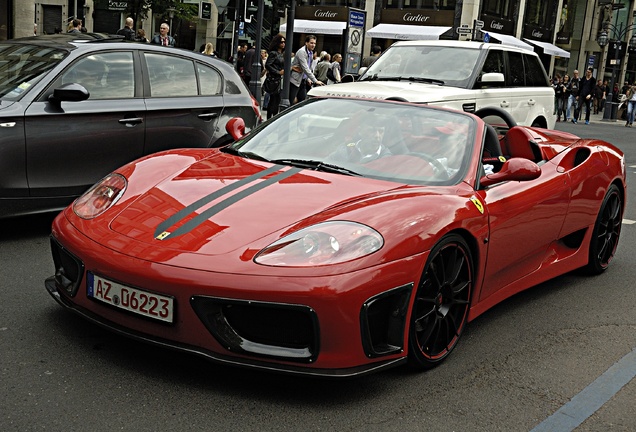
x,y
155,306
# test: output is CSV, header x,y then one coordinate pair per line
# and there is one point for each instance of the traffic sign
x,y
464,30
479,24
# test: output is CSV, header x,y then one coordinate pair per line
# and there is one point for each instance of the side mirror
x,y
515,169
236,128
347,78
71,92
492,77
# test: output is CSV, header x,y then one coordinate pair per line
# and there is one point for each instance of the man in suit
x,y
302,72
163,38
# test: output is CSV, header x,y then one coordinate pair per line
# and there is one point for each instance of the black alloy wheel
x,y
607,230
442,300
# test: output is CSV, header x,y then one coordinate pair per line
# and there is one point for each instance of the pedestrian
x,y
333,74
163,38
301,73
625,88
248,64
573,100
376,50
566,97
275,66
599,95
240,59
606,89
556,82
322,67
127,31
586,93
75,26
631,104
208,50
141,36
559,89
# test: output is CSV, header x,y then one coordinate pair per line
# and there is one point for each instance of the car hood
x,y
224,202
409,91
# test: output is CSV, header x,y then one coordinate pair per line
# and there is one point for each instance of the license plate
x,y
138,301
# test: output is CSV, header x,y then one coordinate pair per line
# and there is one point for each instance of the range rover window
x,y
535,74
516,77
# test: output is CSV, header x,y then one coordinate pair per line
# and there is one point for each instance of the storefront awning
x,y
406,32
510,40
316,27
550,49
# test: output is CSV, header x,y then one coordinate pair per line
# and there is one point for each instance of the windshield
x,y
390,141
21,66
451,66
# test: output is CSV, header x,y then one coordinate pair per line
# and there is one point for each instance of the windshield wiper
x,y
247,155
375,77
316,165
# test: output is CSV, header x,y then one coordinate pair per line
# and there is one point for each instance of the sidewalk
x,y
598,118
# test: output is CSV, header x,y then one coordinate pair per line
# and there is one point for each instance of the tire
x,y
442,301
607,230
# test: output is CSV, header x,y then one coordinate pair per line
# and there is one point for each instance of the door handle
x,y
131,122
531,102
208,116
504,104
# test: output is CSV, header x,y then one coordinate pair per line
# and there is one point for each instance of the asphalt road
x,y
544,350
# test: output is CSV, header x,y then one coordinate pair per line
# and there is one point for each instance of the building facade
x,y
563,32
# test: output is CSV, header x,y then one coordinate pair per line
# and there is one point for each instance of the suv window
x,y
516,77
535,74
104,75
170,76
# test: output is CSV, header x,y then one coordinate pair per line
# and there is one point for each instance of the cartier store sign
x,y
428,17
497,25
322,13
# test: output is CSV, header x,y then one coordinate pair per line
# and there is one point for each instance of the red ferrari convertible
x,y
339,238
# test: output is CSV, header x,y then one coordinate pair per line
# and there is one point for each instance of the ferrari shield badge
x,y
163,235
478,204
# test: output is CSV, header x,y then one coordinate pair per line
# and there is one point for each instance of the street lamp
x,y
171,12
603,39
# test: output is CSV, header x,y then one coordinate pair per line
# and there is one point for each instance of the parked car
x,y
75,107
466,76
341,237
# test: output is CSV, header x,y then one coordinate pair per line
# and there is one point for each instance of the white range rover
x,y
466,76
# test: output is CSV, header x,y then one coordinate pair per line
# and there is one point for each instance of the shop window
x,y
497,8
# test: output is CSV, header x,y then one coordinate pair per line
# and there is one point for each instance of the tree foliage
x,y
139,9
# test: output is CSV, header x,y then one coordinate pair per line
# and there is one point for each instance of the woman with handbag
x,y
275,67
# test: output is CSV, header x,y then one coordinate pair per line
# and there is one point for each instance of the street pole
x,y
257,65
608,113
289,38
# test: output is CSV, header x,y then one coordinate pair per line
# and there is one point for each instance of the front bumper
x,y
337,326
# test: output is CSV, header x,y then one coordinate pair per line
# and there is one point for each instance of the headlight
x,y
322,244
100,197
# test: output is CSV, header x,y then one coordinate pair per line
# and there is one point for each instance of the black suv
x,y
75,107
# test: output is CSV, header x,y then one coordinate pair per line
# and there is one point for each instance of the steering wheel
x,y
438,168
497,112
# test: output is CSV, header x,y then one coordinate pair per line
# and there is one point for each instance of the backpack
x,y
330,75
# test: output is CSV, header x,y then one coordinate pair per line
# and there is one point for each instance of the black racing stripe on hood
x,y
198,220
184,212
